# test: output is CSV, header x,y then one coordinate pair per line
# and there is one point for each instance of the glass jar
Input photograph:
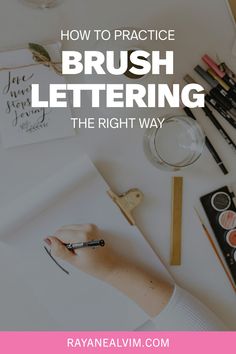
x,y
179,143
43,4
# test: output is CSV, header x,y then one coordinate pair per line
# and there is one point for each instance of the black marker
x,y
231,94
215,104
219,127
217,91
227,70
213,119
92,244
216,100
209,145
226,78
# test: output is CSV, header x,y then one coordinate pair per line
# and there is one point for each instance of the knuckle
x,y
59,251
59,231
91,228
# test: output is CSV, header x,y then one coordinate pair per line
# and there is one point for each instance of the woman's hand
x,y
99,262
145,288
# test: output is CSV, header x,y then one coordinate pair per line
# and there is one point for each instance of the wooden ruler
x,y
176,224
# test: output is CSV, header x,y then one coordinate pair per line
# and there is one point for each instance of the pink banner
x,y
110,342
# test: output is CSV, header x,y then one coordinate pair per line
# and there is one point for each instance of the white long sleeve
x,y
184,313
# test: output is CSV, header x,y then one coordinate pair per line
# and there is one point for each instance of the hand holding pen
x,y
113,268
75,245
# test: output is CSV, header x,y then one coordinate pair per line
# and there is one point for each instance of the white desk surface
x,y
202,26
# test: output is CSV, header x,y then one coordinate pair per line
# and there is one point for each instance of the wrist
x,y
146,289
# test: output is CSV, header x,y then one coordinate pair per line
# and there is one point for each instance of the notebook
x,y
76,194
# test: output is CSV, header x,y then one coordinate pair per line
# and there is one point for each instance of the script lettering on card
x,y
17,93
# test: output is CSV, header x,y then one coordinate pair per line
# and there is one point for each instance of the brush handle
x,y
218,256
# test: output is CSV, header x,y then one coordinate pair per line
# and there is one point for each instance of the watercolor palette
x,y
221,212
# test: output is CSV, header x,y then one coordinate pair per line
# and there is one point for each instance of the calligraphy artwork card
x,y
20,123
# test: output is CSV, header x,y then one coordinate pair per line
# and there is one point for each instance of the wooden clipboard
x,y
232,8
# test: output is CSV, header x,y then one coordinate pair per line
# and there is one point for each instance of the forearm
x,y
146,289
149,291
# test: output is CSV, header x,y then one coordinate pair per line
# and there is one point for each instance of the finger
x,y
71,236
90,228
86,233
72,227
58,249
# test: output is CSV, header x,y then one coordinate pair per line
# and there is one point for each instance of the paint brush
x,y
207,233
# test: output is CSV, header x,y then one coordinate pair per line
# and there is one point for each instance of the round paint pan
x,y
227,220
231,238
220,201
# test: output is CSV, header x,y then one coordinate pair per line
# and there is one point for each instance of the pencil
x,y
215,250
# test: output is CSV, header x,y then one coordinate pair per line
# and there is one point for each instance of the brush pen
x,y
217,90
209,145
217,101
213,119
218,107
211,63
92,244
207,233
219,127
227,71
230,93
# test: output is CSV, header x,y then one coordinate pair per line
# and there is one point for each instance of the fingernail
x,y
47,241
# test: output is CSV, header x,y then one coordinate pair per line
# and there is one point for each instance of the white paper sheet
x,y
234,49
19,309
78,194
